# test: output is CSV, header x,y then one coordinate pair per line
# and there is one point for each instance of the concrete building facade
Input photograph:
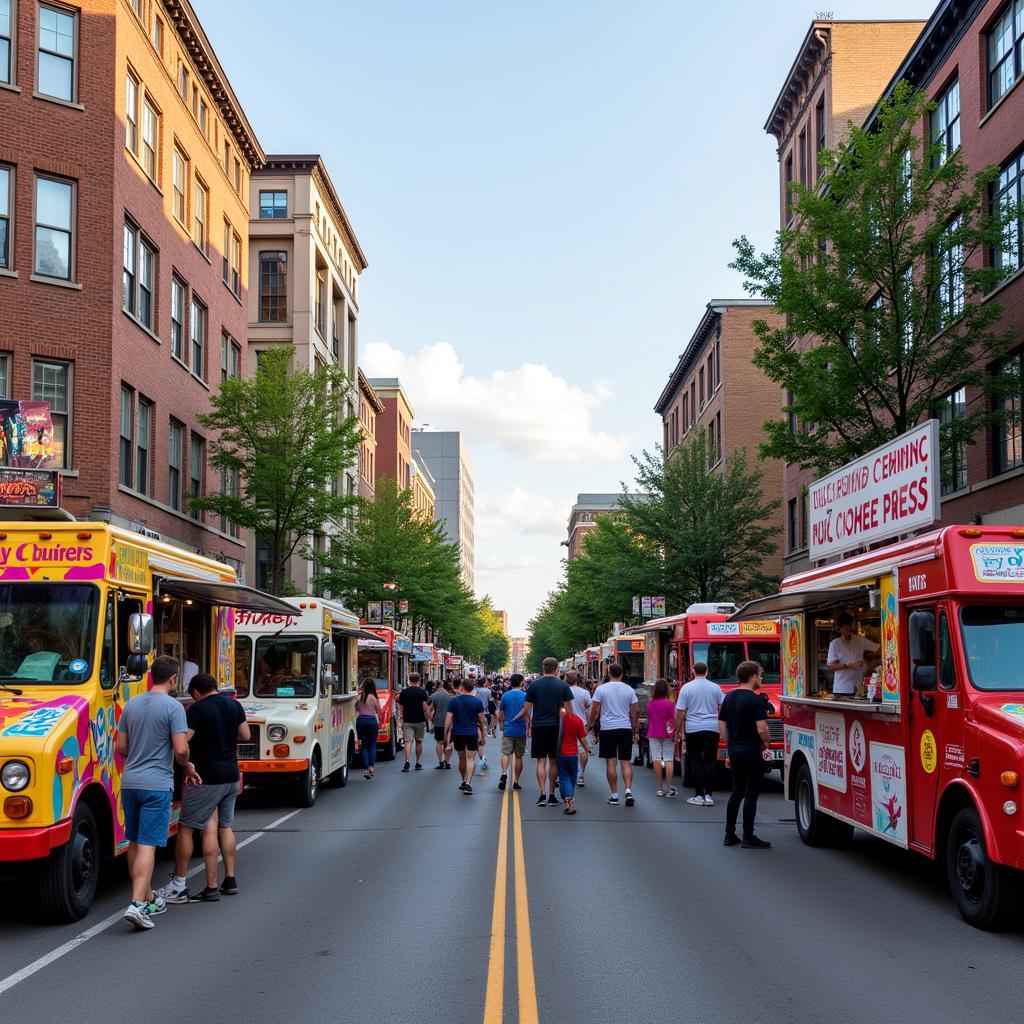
x,y
444,452
125,159
370,406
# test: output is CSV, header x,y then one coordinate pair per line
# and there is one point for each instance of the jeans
x,y
568,770
366,730
747,770
702,756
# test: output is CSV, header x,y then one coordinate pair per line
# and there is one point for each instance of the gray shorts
x,y
199,802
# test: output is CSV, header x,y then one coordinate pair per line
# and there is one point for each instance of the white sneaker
x,y
172,892
614,800
138,918
708,802
697,801
660,792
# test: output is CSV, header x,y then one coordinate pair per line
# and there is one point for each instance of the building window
x,y
131,115
273,205
1009,192
175,454
203,115
805,518
55,75
142,444
951,280
273,287
150,138
693,401
1007,436
199,215
700,378
335,340
5,375
686,411
229,487
125,444
6,41
789,188
791,420
51,382
953,454
803,158
6,208
227,157
230,357
318,304
158,34
182,81
238,176
177,319
1005,43
792,520
138,275
137,7
945,124
225,254
197,335
54,236
195,473
236,259
179,178
819,131
716,440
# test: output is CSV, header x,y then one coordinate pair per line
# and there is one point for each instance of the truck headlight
x,y
276,733
14,776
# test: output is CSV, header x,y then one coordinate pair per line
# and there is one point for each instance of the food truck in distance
x,y
385,659
83,608
296,678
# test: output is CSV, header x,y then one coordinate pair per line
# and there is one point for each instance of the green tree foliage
x,y
882,265
495,650
285,436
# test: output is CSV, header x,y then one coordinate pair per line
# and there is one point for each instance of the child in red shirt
x,y
574,734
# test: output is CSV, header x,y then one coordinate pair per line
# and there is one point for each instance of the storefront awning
x,y
356,631
230,595
798,601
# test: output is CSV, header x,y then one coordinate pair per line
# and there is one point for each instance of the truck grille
x,y
250,751
775,728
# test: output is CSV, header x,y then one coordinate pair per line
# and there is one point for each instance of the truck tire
x,y
308,786
816,828
391,749
986,894
68,878
340,776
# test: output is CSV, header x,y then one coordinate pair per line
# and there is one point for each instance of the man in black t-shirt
x,y
414,705
743,725
546,698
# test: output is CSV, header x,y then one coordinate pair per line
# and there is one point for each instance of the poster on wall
x,y
792,659
889,792
830,749
890,642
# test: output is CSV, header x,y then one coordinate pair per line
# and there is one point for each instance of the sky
x,y
546,193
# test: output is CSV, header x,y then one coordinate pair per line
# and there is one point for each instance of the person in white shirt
x,y
848,655
615,703
697,720
581,702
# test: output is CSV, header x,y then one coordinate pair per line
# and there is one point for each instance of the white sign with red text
x,y
890,491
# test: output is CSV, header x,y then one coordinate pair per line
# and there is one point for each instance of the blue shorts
x,y
147,815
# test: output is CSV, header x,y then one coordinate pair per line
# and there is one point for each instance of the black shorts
x,y
616,743
545,741
465,742
439,733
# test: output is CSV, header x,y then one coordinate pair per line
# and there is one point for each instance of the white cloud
x,y
517,512
498,566
530,411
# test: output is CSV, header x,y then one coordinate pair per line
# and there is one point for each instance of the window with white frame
x,y
54,230
201,204
951,271
143,435
6,211
125,441
945,123
236,262
1004,45
6,41
179,180
139,274
5,375
51,382
177,319
230,357
175,457
1009,451
197,336
55,70
150,139
131,113
196,459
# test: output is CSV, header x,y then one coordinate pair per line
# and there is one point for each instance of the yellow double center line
x,y
494,1001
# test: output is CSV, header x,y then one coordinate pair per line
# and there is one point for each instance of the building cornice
x,y
367,391
815,49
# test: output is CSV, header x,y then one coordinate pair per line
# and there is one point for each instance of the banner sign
x,y
403,607
645,607
389,609
27,435
24,488
658,607
636,606
890,491
373,612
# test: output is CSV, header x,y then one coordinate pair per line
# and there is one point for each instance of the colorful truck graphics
x,y
385,659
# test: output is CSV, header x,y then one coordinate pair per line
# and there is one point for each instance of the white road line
x,y
108,922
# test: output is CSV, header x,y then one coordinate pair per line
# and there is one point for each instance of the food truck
x,y
385,659
295,675
928,753
83,609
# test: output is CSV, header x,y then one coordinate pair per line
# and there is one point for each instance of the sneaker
x,y
502,782
541,800
467,789
419,767
708,802
731,839
138,917
405,767
753,843
581,783
439,767
516,786
614,800
629,799
207,895
673,792
660,792
173,892
229,886
553,801
697,801
462,785
157,905
447,766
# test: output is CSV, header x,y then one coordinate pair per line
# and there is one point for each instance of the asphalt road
x,y
378,904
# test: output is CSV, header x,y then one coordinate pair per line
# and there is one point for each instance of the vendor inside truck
x,y
850,656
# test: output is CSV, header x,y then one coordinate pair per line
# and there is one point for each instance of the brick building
x,y
716,386
394,432
370,406
583,518
124,171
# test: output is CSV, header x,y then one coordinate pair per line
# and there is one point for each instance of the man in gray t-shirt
x,y
151,735
439,701
697,720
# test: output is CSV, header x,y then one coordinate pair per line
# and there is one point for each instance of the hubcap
x,y
82,860
314,778
803,805
970,868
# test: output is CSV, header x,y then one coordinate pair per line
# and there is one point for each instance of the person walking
x,y
217,724
574,735
546,698
151,736
743,725
615,710
368,724
413,708
439,701
697,721
466,729
660,713
513,731
581,701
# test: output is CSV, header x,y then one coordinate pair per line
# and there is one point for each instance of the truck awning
x,y
798,601
230,595
356,631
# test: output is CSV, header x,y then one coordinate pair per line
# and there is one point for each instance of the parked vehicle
x,y
385,659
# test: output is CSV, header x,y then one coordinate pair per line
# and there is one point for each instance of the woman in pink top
x,y
660,715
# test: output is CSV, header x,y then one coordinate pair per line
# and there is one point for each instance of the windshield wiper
x,y
10,689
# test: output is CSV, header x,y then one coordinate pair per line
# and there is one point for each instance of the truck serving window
x,y
47,632
993,645
722,659
373,662
285,666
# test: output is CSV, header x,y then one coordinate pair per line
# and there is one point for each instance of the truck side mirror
x,y
923,679
330,652
136,666
140,634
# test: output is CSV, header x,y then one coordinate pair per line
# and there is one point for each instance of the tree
x,y
284,437
494,652
883,267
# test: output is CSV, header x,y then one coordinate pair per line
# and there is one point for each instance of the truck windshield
x,y
767,656
47,631
285,666
993,645
373,662
632,667
722,659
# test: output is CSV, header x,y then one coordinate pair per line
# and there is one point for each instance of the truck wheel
x,y
986,894
388,754
308,787
67,882
340,776
815,828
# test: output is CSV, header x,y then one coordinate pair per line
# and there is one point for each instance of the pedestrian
x,y
439,701
660,711
217,724
581,701
697,720
495,701
615,709
368,724
546,698
513,731
743,724
414,706
574,735
483,694
466,729
151,736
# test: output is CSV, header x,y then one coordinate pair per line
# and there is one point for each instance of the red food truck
x,y
386,661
